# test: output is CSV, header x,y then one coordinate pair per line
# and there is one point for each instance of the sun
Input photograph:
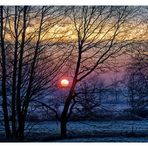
x,y
64,82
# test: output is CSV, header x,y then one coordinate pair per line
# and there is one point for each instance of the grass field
x,y
88,131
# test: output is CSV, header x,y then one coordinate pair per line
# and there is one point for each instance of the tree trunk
x,y
20,67
64,116
3,64
63,128
14,77
21,131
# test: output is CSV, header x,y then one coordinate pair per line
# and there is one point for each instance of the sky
x,y
135,29
65,31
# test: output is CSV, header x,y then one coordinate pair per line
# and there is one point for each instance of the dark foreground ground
x,y
86,131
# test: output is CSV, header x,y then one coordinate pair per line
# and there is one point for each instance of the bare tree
x,y
137,82
31,59
90,95
97,38
3,65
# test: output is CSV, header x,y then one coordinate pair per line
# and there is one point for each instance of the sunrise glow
x,y
64,82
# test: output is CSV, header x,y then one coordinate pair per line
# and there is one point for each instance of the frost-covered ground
x,y
89,131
